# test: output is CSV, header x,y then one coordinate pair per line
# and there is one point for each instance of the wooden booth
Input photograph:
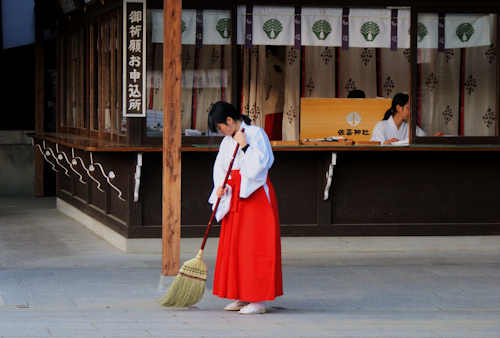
x,y
129,72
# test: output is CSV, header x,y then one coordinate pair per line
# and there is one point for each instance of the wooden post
x,y
171,201
39,164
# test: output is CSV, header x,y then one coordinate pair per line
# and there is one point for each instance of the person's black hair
x,y
399,99
356,94
219,113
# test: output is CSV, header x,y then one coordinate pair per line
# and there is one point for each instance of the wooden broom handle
x,y
209,226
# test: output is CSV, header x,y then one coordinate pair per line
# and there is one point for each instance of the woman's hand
x,y
439,133
221,191
240,138
391,140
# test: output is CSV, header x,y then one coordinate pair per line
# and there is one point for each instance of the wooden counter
x,y
95,145
376,190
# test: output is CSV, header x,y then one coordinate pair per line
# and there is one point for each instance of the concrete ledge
x,y
128,245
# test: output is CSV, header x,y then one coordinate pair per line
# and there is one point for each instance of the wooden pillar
x,y
39,163
171,200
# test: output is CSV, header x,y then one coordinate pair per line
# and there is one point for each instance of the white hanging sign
x,y
217,27
467,30
321,27
404,20
273,25
134,56
370,28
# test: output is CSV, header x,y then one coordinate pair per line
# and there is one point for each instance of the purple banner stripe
x,y
298,27
345,28
199,28
394,29
249,26
441,32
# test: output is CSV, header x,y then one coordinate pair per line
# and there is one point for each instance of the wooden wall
x,y
390,193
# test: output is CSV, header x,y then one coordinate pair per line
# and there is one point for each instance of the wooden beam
x,y
39,189
171,198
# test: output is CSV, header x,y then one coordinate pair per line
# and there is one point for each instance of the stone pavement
x,y
59,280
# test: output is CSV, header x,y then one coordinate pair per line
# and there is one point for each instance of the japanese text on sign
x,y
134,54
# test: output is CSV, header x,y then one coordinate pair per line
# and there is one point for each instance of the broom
x,y
189,284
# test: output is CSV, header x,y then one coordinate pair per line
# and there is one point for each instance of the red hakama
x,y
248,266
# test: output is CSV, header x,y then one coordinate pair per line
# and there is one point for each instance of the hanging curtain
x,y
211,83
291,107
274,91
254,65
394,72
440,88
480,90
319,72
357,70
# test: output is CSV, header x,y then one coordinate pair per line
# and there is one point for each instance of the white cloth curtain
x,y
291,108
480,90
319,72
357,70
440,89
254,67
210,79
394,72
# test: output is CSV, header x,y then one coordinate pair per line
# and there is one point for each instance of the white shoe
x,y
253,308
235,306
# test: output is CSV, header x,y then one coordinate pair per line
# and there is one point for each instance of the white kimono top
x,y
253,165
386,129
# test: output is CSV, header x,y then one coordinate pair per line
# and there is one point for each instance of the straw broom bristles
x,y
189,285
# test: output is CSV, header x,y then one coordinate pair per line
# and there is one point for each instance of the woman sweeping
x,y
248,266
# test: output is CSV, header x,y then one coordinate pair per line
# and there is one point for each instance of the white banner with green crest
x,y
321,27
217,27
467,30
273,25
370,28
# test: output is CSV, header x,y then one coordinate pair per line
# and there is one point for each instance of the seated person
x,y
394,125
356,94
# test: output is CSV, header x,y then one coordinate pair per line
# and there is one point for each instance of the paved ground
x,y
59,280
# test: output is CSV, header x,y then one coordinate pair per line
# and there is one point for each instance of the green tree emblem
x,y
370,30
183,26
465,31
421,31
321,29
224,27
272,28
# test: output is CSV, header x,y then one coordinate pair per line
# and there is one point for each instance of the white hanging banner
x,y
240,23
467,30
427,31
370,28
217,27
156,25
188,27
321,27
404,28
273,25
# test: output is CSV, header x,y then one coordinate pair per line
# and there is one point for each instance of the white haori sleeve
x,y
421,132
378,134
256,161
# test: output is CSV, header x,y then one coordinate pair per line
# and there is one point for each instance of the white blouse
x,y
253,164
386,129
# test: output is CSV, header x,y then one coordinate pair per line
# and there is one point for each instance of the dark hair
x,y
356,94
399,99
219,113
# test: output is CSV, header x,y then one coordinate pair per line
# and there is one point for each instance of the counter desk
x,y
374,191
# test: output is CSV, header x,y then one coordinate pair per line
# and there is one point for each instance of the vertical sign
x,y
134,58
